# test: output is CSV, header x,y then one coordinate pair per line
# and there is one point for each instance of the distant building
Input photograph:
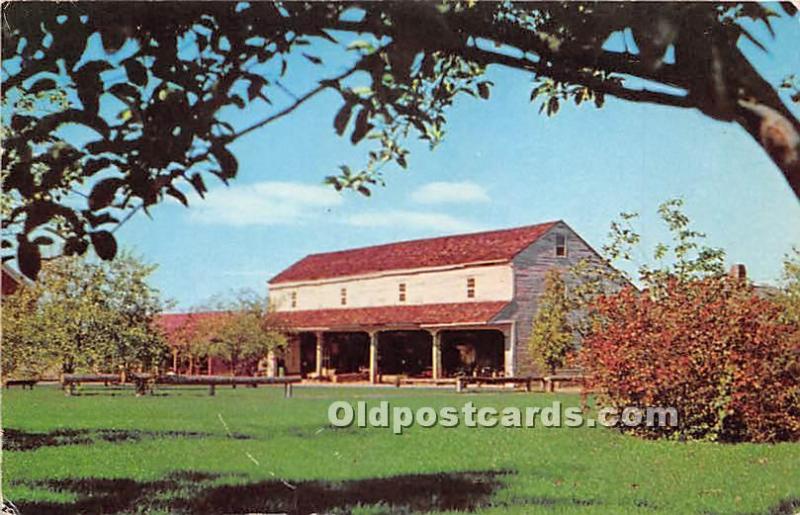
x,y
429,308
176,327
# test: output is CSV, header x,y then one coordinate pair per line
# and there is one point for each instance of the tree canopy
x,y
151,82
236,328
83,316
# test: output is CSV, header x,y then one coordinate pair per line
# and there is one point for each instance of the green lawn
x,y
251,450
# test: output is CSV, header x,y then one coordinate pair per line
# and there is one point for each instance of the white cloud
x,y
264,203
450,192
411,220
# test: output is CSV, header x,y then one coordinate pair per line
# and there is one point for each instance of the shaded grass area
x,y
202,493
250,450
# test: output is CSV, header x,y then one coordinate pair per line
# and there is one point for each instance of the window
x,y
343,296
561,245
293,298
401,292
470,287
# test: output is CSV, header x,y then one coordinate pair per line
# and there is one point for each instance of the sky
x,y
501,165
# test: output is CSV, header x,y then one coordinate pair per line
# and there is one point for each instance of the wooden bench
x,y
426,381
70,381
547,383
561,379
145,382
350,377
465,381
24,383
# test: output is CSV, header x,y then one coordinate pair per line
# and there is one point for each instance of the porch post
x,y
272,364
510,351
320,343
373,356
175,360
436,336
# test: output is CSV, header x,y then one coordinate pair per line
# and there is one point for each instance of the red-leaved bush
x,y
710,348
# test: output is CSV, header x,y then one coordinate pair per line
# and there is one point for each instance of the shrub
x,y
711,348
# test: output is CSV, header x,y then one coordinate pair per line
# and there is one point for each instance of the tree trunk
x,y
777,135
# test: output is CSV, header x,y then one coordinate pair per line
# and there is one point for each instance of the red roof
x,y
501,245
173,323
418,315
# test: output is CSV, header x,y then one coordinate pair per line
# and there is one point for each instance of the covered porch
x,y
383,355
424,342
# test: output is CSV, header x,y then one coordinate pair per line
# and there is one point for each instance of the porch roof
x,y
466,313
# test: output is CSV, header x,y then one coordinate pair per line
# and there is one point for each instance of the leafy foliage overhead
x,y
154,98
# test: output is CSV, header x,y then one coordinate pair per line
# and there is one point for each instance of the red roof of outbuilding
x,y
500,245
418,315
174,323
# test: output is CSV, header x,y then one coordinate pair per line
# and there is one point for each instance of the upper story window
x,y
343,296
401,292
293,299
561,245
470,287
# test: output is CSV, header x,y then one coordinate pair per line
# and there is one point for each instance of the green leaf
x,y
342,117
42,240
360,44
599,99
227,161
104,244
362,126
254,89
103,193
175,193
198,184
29,259
136,71
552,106
42,85
312,58
483,89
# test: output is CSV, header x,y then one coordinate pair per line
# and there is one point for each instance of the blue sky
x,y
501,165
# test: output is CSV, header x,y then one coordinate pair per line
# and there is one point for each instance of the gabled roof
x,y
465,313
490,246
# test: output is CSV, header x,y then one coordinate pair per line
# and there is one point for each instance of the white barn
x,y
428,308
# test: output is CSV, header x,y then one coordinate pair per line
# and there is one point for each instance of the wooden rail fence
x,y
146,382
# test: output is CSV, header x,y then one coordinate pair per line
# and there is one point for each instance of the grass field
x,y
250,450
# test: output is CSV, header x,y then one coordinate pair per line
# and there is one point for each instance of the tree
x,y
193,337
552,337
238,330
685,258
81,315
154,97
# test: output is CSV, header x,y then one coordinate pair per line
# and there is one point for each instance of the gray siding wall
x,y
530,267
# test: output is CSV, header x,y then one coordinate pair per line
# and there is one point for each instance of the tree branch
x,y
323,84
610,88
